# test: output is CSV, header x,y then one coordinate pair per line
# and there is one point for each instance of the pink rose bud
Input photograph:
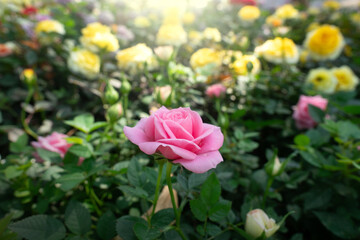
x,y
163,93
179,135
215,90
301,113
55,142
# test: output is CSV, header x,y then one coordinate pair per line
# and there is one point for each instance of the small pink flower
x,y
55,142
215,90
179,135
301,113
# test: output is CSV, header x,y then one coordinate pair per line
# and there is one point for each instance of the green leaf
x,y
69,181
196,179
135,192
317,198
106,226
80,151
352,109
39,227
144,233
198,208
5,234
163,218
302,140
77,218
20,144
339,224
219,211
212,229
124,227
133,173
46,155
12,172
82,122
316,113
211,190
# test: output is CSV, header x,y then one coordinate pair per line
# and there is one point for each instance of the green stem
x,y
205,223
23,115
269,183
89,193
176,212
125,106
157,189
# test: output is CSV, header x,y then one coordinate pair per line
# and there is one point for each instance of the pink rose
x,y
301,114
179,135
55,142
215,90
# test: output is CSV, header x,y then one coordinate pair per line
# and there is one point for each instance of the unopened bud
x,y
163,94
125,87
29,77
257,223
111,95
114,112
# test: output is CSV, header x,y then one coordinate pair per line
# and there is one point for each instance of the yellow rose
x,y
212,34
274,21
304,55
313,26
205,56
286,11
188,18
174,35
134,58
142,22
333,5
84,62
322,80
195,37
241,65
279,50
172,16
249,13
49,26
346,79
355,18
324,42
96,37
229,56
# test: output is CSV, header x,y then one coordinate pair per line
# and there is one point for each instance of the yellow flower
x,y
188,18
324,42
274,21
142,22
286,11
241,65
355,18
28,76
84,62
28,73
134,58
313,26
249,13
346,79
229,56
50,26
322,80
205,56
334,5
172,16
195,37
96,37
279,50
174,35
313,11
212,34
304,55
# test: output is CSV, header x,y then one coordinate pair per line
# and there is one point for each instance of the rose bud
x,y
114,112
29,77
163,94
111,95
215,90
125,87
257,223
164,52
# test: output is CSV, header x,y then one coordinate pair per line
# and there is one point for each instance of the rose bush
x,y
179,135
